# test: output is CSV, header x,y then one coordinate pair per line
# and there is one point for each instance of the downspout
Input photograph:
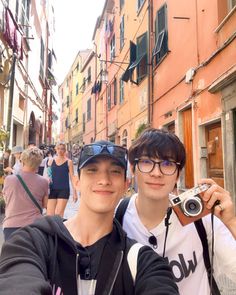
x,y
11,96
95,95
150,64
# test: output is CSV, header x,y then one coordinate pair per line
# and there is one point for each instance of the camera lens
x,y
192,207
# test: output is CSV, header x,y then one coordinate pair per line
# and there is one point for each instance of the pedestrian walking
x,y
20,209
60,171
89,253
157,158
16,152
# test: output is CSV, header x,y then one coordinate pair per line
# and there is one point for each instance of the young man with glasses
x,y
87,254
157,158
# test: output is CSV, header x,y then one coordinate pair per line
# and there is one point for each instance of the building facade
x,y
166,64
27,55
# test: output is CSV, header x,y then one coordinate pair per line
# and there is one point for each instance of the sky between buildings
x,y
75,23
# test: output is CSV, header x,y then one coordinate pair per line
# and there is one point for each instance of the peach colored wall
x,y
133,111
184,55
193,43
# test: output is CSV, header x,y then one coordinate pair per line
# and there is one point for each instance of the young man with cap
x,y
157,158
86,254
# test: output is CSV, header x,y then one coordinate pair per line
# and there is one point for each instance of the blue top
x,y
60,175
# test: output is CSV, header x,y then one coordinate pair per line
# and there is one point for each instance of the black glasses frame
x,y
157,163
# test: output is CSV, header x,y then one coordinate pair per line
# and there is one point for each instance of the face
x,y
17,155
60,149
155,185
102,184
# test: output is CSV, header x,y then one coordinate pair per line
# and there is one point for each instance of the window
x,y
76,115
132,57
161,36
41,69
77,88
112,47
142,57
122,2
121,91
89,75
109,97
67,101
84,117
140,3
82,87
89,109
21,102
138,61
115,92
124,138
122,32
22,15
232,3
67,123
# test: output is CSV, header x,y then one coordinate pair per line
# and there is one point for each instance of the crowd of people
x,y
152,246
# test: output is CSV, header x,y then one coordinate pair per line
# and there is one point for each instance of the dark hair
x,y
158,143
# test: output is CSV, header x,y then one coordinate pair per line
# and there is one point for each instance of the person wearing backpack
x,y
89,253
156,159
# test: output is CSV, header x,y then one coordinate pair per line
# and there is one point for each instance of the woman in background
x,y
61,169
20,210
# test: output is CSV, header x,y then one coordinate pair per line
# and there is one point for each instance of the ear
x,y
76,182
127,184
132,169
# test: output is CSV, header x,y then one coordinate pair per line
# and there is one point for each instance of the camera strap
x,y
206,257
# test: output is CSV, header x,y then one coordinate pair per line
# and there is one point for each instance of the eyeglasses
x,y
167,167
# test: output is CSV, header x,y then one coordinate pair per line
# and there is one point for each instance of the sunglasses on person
x,y
115,151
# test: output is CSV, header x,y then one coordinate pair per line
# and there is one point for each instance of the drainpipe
x,y
150,65
11,96
95,100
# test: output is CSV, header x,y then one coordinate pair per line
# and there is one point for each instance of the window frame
x,y
122,32
89,75
89,117
112,47
160,49
121,88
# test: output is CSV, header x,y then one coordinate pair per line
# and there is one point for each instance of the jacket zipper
x,y
117,270
76,267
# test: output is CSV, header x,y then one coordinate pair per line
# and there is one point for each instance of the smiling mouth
x,y
103,192
154,184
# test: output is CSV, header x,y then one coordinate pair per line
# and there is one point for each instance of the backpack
x,y
120,211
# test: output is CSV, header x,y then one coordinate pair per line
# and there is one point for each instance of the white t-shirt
x,y
184,249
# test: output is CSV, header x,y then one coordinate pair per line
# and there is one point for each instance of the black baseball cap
x,y
100,148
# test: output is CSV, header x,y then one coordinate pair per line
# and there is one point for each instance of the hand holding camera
x,y
189,206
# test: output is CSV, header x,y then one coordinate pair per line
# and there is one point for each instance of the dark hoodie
x,y
43,259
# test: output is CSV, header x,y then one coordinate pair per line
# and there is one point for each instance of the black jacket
x,y
41,257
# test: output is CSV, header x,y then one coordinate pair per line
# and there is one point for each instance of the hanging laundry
x,y
12,34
